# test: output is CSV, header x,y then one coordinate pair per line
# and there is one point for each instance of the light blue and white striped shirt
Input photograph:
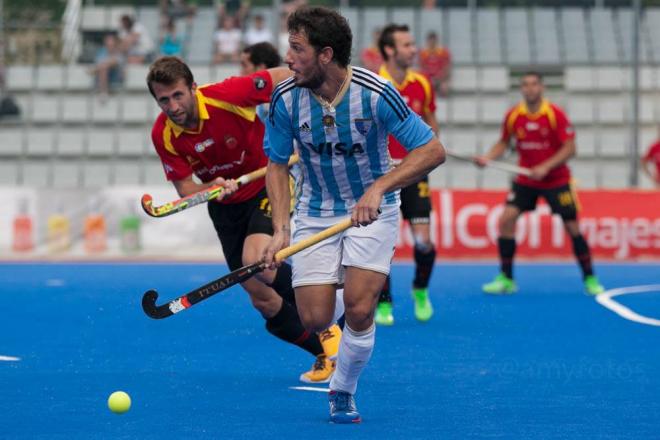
x,y
343,150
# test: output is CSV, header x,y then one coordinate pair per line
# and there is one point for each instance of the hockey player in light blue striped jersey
x,y
340,117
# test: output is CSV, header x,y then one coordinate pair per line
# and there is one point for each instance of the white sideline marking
x,y
9,358
318,390
55,282
605,300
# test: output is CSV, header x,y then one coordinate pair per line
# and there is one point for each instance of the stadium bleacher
x,y
65,127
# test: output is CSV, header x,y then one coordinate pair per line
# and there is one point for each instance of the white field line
x,y
605,300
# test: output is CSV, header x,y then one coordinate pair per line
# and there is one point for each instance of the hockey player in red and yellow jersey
x,y
545,141
398,49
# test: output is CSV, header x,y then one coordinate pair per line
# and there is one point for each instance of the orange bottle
x,y
95,233
23,230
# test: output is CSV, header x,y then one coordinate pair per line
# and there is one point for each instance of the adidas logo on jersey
x,y
305,128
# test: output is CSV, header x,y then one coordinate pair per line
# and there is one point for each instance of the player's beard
x,y
314,80
402,62
533,101
189,119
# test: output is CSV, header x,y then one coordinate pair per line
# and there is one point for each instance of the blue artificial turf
x,y
548,362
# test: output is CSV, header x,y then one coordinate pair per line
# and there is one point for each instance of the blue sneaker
x,y
342,408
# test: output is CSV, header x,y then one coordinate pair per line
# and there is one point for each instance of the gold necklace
x,y
327,105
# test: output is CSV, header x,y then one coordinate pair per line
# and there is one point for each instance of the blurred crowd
x,y
236,29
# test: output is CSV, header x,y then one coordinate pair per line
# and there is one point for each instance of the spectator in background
x,y
258,33
171,42
135,42
176,9
260,56
651,160
435,62
370,57
238,9
227,41
108,66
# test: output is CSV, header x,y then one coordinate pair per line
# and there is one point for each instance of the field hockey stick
x,y
238,276
206,195
503,166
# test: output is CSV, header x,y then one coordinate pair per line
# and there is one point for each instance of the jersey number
x,y
423,188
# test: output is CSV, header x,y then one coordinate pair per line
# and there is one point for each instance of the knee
x,y
251,255
507,224
358,313
315,321
572,227
265,302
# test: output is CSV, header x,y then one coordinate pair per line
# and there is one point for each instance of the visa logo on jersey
x,y
200,147
336,149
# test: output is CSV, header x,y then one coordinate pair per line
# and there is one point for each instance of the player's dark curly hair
x,y
263,53
168,70
323,27
535,73
387,36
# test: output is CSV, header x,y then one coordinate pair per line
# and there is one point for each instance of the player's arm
x,y
188,186
177,169
250,90
419,162
428,115
562,155
429,118
647,166
280,138
279,196
500,147
279,74
566,136
425,152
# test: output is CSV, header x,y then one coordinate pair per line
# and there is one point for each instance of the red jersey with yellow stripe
x,y
434,62
538,137
653,155
416,90
229,140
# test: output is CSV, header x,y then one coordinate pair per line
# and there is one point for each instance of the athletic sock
x,y
286,325
581,251
282,284
354,352
507,248
424,261
385,293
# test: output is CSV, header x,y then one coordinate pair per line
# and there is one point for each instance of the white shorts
x,y
367,247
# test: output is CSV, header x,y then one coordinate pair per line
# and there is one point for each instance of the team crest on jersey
x,y
363,125
200,147
328,121
230,141
259,83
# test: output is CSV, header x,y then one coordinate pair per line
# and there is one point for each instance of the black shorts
x,y
416,203
562,199
236,221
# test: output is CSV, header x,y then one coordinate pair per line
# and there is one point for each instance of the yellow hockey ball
x,y
119,402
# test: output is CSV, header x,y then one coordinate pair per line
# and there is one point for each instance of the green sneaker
x,y
423,307
384,314
502,284
592,285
